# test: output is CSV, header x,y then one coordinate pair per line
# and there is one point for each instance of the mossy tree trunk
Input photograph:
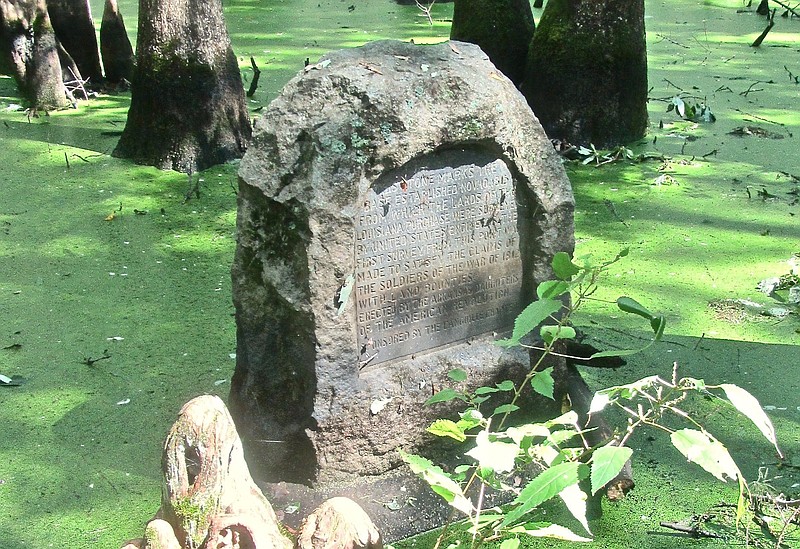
x,y
72,21
30,52
188,110
502,28
115,46
586,78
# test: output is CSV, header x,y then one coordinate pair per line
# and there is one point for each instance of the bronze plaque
x,y
437,256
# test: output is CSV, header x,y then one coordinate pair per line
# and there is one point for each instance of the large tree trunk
x,y
72,21
188,110
30,52
586,78
115,47
502,28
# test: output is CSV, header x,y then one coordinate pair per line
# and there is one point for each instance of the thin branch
x,y
763,35
256,74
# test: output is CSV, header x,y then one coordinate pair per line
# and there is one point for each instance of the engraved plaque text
x,y
437,258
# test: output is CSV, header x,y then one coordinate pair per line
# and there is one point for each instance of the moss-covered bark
x,y
29,51
502,28
188,110
586,78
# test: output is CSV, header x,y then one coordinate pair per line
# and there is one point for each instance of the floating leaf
x,y
748,405
607,462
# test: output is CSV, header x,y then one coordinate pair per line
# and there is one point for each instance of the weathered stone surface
x,y
331,371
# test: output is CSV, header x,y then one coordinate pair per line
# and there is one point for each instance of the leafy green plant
x,y
696,112
591,155
554,455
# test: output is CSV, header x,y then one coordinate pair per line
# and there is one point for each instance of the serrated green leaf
x,y
551,333
445,395
505,409
506,385
447,428
546,485
542,382
439,481
469,420
748,405
551,289
708,453
563,267
457,374
575,500
486,390
630,305
607,462
533,315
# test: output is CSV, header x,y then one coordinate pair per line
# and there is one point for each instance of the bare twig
x,y
693,531
763,35
426,10
256,74
790,10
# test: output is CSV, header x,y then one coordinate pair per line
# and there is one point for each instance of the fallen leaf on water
x,y
123,402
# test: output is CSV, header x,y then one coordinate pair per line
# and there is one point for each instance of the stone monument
x,y
398,206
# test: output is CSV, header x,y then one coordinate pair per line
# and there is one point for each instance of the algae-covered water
x,y
115,304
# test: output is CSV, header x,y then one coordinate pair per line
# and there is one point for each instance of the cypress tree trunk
x,y
586,78
115,47
30,52
502,28
72,21
188,110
